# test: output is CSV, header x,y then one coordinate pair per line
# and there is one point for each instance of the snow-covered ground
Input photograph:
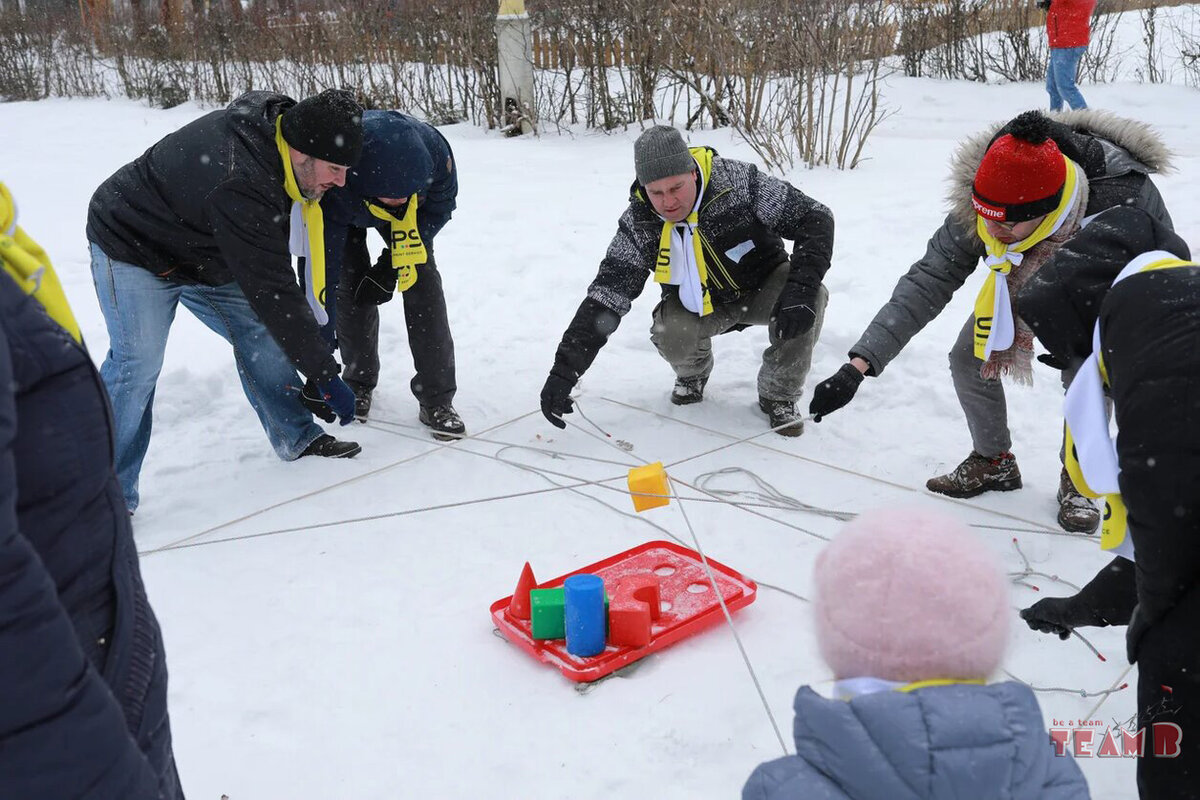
x,y
357,660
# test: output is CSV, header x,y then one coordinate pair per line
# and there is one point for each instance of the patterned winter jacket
x,y
1118,155
744,216
937,743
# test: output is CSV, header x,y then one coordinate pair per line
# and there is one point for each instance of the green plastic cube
x,y
546,612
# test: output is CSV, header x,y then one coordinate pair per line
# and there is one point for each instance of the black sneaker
x,y
447,425
362,400
326,446
978,474
1076,513
688,390
782,412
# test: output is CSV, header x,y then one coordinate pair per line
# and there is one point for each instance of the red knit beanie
x,y
1023,173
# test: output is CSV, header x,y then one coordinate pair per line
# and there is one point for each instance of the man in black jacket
x,y
1125,283
404,187
83,675
207,217
711,231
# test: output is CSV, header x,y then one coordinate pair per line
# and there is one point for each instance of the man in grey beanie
x,y
711,231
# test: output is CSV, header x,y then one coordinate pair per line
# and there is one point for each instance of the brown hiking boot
x,y
782,413
1076,513
978,474
688,390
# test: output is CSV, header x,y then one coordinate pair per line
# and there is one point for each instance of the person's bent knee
x,y
674,339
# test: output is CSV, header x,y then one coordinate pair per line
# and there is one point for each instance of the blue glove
x,y
339,397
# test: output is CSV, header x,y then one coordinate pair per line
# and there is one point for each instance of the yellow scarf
x,y
663,266
307,237
1091,453
30,267
994,326
912,687
408,249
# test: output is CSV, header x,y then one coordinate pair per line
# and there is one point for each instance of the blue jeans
x,y
1060,77
138,309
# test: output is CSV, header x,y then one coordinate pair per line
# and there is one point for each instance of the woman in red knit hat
x,y
1020,191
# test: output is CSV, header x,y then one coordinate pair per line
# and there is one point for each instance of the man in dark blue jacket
x,y
404,186
83,678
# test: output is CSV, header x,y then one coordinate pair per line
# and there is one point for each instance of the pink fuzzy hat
x,y
908,595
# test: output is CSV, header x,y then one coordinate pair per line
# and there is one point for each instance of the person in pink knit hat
x,y
912,616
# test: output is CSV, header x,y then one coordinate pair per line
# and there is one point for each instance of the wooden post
x,y
515,64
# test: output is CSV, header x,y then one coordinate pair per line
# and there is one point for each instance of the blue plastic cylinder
x,y
583,599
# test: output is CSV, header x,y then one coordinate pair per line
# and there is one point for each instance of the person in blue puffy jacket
x,y
83,675
912,616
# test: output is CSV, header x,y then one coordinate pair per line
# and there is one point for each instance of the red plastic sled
x,y
688,606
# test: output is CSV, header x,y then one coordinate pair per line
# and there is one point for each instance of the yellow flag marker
x,y
648,486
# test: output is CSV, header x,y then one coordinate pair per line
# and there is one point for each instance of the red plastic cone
x,y
518,607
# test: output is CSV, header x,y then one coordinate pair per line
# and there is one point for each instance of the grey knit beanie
x,y
660,152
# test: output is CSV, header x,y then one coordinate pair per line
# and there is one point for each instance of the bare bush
x,y
1101,61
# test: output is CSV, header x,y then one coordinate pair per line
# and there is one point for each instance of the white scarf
x,y
685,273
1087,419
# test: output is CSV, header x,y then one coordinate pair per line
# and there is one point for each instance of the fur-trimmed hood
x,y
1138,147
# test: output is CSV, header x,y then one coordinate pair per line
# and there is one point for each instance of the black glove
x,y
1052,361
377,286
795,310
339,397
835,391
310,398
1044,5
1061,615
556,399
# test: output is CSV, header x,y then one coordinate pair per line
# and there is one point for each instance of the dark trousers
x,y
1168,660
433,383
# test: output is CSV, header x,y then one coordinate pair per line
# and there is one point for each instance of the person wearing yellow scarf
x,y
1123,300
711,231
208,218
404,188
911,615
27,264
1021,191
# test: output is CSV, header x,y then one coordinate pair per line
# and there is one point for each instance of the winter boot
x,y
1076,513
978,474
688,390
362,400
782,412
445,422
326,446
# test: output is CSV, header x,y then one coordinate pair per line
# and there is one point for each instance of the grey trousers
x,y
684,338
982,400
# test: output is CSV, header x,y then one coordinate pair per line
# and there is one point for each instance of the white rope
x,y
770,496
1101,693
1114,688
183,544
1030,571
848,471
732,629
191,537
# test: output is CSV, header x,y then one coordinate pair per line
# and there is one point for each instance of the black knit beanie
x,y
327,126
